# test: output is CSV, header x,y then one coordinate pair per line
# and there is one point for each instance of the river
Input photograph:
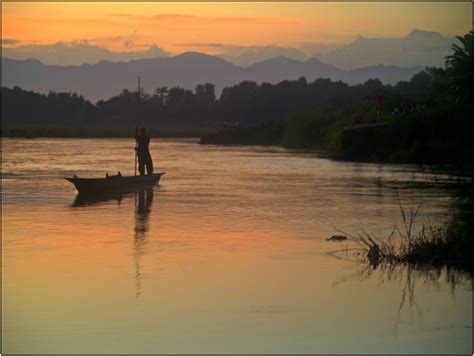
x,y
227,255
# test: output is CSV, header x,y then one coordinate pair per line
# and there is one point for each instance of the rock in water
x,y
337,238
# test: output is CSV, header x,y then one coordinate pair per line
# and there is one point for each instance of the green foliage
x,y
459,68
314,130
242,104
265,133
424,120
27,106
431,134
447,245
307,131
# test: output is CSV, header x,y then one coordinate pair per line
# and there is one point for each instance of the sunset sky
x,y
178,27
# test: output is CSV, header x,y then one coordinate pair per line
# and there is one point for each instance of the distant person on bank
x,y
143,153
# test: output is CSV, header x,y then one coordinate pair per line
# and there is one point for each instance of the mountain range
x,y
418,47
251,55
75,53
105,78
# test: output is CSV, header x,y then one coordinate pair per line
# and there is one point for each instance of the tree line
x,y
239,105
425,120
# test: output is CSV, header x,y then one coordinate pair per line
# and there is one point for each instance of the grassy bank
x,y
450,245
425,120
433,136
426,246
315,130
32,131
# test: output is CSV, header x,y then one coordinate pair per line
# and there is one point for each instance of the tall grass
x,y
447,245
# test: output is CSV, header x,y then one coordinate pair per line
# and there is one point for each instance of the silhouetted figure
x,y
144,157
379,107
357,118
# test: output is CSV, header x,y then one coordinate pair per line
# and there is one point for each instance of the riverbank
x,y
425,137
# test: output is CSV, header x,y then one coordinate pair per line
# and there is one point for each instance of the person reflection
x,y
142,213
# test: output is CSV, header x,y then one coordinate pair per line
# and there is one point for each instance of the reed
x,y
448,245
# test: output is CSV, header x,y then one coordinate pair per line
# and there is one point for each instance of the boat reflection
x,y
88,200
143,204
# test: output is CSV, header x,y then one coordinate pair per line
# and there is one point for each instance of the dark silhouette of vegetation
x,y
34,131
420,246
242,104
424,120
66,109
459,69
449,245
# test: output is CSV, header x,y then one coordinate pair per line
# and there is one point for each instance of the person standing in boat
x,y
143,153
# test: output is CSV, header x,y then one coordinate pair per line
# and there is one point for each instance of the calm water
x,y
227,254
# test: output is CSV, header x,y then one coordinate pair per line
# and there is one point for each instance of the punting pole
x,y
138,123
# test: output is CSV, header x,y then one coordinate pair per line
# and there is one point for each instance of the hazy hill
x,y
105,79
282,68
257,54
386,74
417,48
76,53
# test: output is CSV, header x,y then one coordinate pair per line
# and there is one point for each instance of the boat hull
x,y
115,184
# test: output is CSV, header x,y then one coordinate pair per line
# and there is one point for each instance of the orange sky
x,y
179,26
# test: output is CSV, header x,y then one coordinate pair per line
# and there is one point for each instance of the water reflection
x,y
88,200
143,203
240,230
408,277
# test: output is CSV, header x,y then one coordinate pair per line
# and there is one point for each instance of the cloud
x,y
417,48
207,45
308,48
246,55
10,41
78,52
226,20
171,17
318,48
216,48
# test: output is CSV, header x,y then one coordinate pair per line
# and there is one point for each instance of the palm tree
x,y
459,66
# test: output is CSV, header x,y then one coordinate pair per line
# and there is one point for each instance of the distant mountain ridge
x,y
417,48
106,78
76,53
254,55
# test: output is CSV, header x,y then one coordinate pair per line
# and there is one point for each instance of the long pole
x,y
138,122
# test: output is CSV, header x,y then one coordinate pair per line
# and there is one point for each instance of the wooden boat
x,y
114,184
111,185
